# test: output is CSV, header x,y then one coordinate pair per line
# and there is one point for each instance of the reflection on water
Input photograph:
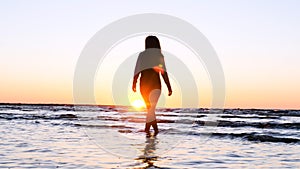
x,y
50,136
149,155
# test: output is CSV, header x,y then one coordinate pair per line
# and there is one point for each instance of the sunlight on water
x,y
138,104
110,137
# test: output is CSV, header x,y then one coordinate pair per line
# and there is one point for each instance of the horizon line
x,y
108,105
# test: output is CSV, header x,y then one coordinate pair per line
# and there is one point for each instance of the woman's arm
x,y
166,79
136,73
135,78
165,76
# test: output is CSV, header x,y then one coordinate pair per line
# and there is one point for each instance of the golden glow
x,y
250,82
138,104
159,68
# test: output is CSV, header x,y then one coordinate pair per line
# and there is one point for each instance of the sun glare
x,y
138,104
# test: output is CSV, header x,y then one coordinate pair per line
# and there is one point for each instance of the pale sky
x,y
257,42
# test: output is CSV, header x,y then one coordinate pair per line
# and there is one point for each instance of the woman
x,y
150,65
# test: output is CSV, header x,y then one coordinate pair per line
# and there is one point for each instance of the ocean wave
x,y
256,125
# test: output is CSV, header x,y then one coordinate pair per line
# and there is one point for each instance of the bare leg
x,y
151,117
151,99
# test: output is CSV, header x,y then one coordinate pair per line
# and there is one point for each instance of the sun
x,y
138,104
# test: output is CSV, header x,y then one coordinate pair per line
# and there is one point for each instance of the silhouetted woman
x,y
150,64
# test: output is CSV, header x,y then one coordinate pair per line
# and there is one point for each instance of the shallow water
x,y
57,136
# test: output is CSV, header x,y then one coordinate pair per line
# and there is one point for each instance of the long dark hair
x,y
152,42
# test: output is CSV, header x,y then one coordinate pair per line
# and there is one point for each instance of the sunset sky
x,y
257,42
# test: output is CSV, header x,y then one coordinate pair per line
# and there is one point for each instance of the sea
x,y
93,136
